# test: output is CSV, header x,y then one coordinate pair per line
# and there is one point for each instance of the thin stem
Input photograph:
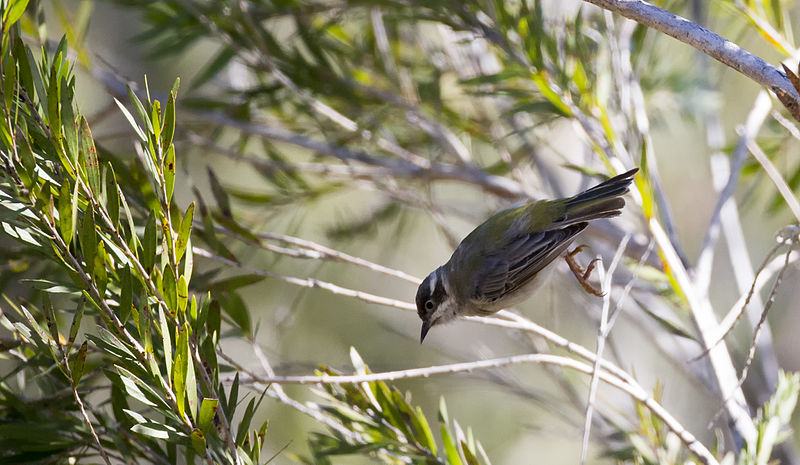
x,y
705,323
602,334
633,389
310,282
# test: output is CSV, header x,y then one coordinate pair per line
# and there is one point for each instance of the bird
x,y
507,257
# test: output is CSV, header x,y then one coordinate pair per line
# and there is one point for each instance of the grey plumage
x,y
502,261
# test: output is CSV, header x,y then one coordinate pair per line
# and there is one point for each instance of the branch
x,y
311,283
416,167
710,43
705,323
602,335
633,389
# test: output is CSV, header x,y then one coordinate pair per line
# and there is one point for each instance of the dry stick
x,y
632,389
770,300
627,290
725,208
702,39
327,252
310,282
730,320
705,323
84,414
602,335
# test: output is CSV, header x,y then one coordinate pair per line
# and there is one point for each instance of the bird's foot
x,y
581,275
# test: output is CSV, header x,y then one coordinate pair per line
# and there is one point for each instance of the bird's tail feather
x,y
601,201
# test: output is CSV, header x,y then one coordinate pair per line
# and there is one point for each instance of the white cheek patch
x,y
445,312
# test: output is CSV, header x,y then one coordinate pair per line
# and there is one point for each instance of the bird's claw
x,y
581,275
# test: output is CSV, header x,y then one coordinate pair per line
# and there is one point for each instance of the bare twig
x,y
705,322
310,283
770,300
602,335
725,206
633,389
84,415
731,318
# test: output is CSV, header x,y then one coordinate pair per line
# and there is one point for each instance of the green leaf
x,y
450,450
244,424
184,232
191,380
198,442
169,122
221,196
193,311
66,220
70,128
468,455
183,293
14,12
76,324
78,364
158,431
423,430
99,272
125,294
88,238
223,57
208,410
170,290
155,116
188,261
169,172
140,111
149,243
53,115
166,338
179,369
89,150
131,121
233,397
112,197
235,307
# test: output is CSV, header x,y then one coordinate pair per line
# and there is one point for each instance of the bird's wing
x,y
508,269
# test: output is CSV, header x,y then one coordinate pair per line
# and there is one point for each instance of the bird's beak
x,y
426,326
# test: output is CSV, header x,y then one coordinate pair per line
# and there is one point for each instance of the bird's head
x,y
434,305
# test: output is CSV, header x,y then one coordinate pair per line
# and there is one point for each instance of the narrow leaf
x,y
78,363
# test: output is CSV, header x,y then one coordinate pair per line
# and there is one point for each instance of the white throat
x,y
446,312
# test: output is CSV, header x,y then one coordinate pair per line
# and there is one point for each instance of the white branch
x,y
633,389
703,40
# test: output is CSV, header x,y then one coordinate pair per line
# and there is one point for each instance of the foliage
x,y
120,262
381,422
113,336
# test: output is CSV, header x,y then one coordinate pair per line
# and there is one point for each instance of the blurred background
x,y
554,97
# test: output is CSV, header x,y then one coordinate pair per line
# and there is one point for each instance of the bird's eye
x,y
429,305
